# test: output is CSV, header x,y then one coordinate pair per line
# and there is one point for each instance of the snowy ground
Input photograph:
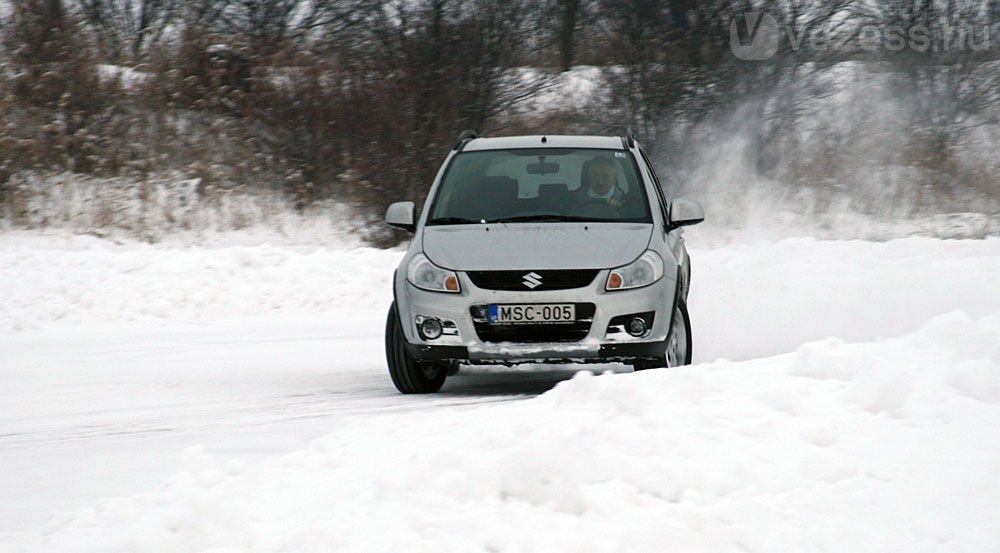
x,y
845,397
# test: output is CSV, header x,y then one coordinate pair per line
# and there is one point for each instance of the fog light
x,y
636,327
431,329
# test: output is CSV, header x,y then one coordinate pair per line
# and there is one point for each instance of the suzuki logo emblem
x,y
532,280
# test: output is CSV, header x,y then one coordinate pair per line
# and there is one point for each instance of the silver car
x,y
540,249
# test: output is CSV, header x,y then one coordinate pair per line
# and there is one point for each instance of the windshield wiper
x,y
543,218
454,221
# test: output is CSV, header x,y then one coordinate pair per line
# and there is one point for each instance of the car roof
x,y
546,141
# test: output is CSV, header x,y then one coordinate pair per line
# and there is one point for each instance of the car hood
x,y
535,246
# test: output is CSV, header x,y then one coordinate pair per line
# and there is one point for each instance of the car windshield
x,y
531,185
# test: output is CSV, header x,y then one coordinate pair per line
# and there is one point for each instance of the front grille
x,y
532,281
529,333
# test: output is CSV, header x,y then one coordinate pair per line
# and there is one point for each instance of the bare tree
x,y
128,28
946,66
569,23
269,25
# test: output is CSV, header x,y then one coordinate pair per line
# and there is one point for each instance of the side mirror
x,y
685,212
400,215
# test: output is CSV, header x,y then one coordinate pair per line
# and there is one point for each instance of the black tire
x,y
680,322
409,375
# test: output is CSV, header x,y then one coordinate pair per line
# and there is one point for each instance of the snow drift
x,y
846,398
884,446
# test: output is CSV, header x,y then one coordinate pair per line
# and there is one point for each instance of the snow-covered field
x,y
845,397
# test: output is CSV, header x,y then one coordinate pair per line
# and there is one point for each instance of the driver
x,y
599,181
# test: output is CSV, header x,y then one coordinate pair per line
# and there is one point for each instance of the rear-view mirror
x,y
543,168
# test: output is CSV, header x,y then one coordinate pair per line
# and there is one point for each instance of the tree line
x,y
358,100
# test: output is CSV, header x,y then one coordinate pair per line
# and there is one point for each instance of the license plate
x,y
531,313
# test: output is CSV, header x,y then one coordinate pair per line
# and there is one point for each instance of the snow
x,y
84,279
129,77
845,397
171,208
574,89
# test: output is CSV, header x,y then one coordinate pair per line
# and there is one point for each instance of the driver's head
x,y
599,175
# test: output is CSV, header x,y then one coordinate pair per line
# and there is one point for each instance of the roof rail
x,y
629,139
464,137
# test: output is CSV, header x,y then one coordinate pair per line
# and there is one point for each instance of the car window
x,y
541,184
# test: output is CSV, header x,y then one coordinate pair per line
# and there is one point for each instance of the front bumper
x,y
598,346
559,352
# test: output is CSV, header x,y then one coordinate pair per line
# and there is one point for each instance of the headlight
x,y
641,272
424,274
